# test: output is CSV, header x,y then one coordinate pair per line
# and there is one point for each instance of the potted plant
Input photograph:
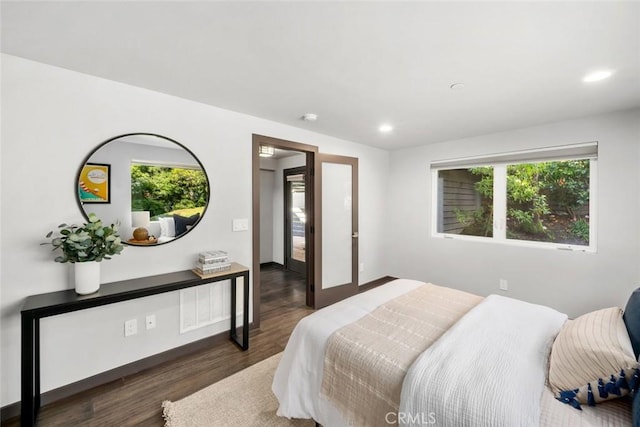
x,y
85,247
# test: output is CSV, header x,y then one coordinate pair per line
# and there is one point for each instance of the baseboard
x,y
375,283
271,264
13,410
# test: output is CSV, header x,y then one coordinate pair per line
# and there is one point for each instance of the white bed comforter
x,y
488,369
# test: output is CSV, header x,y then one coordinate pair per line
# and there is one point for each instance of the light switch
x,y
241,224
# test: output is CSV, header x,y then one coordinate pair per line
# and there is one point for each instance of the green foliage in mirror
x,y
162,190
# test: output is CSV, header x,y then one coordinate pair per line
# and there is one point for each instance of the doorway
x,y
295,218
303,229
330,191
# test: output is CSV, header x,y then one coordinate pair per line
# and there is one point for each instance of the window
x,y
538,197
466,203
168,189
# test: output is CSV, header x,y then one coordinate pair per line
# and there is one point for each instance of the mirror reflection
x,y
155,187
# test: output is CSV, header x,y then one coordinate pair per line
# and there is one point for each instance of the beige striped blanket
x,y
367,360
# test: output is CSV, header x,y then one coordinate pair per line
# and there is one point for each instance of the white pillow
x,y
154,228
167,227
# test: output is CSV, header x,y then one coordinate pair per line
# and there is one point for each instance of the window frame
x,y
499,164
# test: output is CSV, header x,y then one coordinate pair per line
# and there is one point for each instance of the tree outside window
x,y
165,190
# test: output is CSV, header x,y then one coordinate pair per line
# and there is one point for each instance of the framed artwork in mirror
x,y
94,183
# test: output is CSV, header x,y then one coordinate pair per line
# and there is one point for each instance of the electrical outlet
x,y
504,285
361,267
130,327
151,321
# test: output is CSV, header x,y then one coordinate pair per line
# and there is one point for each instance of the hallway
x,y
280,290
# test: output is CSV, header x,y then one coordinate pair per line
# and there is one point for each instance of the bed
x,y
412,353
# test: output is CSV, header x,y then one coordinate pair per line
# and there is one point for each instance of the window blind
x,y
581,151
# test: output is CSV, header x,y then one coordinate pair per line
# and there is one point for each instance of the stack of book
x,y
212,262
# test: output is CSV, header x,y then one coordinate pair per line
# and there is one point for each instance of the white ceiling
x,y
355,64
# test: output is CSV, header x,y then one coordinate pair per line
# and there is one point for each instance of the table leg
x,y
244,344
36,366
30,371
245,317
232,332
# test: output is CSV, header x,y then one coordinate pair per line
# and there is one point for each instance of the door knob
x,y
355,235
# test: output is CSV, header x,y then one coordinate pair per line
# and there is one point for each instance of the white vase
x,y
87,277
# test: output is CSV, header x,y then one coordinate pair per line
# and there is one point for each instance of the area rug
x,y
243,399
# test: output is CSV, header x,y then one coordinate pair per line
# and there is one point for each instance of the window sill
x,y
518,243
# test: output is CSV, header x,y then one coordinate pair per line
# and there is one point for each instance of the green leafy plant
x,y
90,242
526,222
567,183
476,222
580,228
465,218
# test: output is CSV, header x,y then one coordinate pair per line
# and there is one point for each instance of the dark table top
x,y
58,302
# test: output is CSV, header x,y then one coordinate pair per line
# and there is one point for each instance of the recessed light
x,y
457,86
309,117
385,128
597,76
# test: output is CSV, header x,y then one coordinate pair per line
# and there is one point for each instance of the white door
x,y
336,255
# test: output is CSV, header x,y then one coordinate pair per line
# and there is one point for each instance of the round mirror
x,y
152,185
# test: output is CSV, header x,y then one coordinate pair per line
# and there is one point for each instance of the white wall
x,y
52,118
573,282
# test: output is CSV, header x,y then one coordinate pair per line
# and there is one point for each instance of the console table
x,y
37,307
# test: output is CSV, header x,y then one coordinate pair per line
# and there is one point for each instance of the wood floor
x,y
135,400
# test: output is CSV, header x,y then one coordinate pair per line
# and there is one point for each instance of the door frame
x,y
311,152
289,262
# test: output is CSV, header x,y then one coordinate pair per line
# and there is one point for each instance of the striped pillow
x,y
592,359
